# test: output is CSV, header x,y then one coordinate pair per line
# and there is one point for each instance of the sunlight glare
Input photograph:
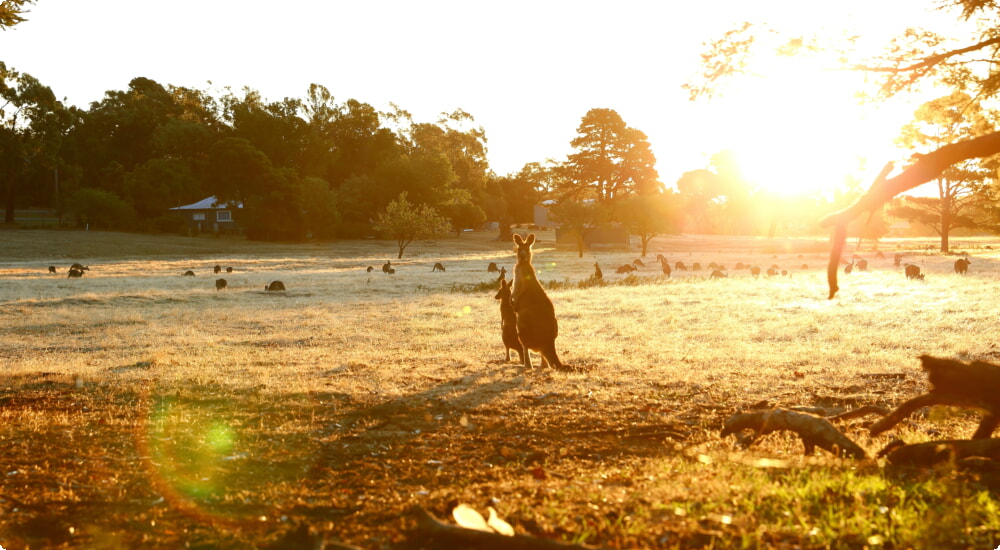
x,y
799,129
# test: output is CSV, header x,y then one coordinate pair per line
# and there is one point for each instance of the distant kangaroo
x,y
220,284
537,327
508,322
962,265
438,267
275,286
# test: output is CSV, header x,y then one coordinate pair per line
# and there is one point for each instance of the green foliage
x,y
12,12
579,218
647,216
404,222
100,209
320,204
963,187
612,160
32,123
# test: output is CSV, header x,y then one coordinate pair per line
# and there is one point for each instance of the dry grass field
x,y
143,409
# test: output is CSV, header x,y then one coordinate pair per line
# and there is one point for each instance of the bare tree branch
x,y
929,61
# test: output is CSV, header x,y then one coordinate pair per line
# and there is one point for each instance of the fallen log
x,y
934,453
973,385
814,430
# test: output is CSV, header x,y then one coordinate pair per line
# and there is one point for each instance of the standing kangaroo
x,y
508,322
537,327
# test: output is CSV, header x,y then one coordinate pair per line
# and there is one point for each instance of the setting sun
x,y
798,128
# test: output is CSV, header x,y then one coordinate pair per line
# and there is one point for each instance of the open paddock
x,y
143,408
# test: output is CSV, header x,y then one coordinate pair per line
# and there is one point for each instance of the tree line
x,y
315,167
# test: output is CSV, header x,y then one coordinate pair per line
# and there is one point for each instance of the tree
x,y
32,123
462,211
961,187
405,222
647,216
613,160
579,218
100,209
12,12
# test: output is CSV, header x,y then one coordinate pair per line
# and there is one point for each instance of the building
x,y
209,216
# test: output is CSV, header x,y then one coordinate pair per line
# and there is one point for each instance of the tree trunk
x,y
9,202
945,223
505,232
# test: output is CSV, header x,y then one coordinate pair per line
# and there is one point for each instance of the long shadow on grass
x,y
167,465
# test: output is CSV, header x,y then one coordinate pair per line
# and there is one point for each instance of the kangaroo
x,y
438,267
508,322
537,327
962,266
274,286
665,266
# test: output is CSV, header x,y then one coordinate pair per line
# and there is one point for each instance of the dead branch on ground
x,y
815,431
973,385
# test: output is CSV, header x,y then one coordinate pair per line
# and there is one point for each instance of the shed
x,y
209,215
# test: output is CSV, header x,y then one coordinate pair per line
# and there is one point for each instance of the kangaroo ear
x,y
518,239
531,239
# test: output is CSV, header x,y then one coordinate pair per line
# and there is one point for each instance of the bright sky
x,y
527,70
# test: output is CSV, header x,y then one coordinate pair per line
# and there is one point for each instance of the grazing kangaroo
x,y
508,322
220,284
962,265
52,269
217,269
438,267
189,273
275,286
537,327
492,268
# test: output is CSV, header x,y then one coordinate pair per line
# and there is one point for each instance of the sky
x,y
527,71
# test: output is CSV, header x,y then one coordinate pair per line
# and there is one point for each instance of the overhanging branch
x,y
930,61
926,168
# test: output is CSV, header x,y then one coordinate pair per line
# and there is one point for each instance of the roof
x,y
210,203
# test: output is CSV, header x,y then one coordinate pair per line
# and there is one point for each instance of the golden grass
x,y
140,407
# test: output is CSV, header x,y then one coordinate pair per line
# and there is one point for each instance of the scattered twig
x,y
815,431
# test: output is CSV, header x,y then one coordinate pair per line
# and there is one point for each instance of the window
x,y
198,217
223,216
